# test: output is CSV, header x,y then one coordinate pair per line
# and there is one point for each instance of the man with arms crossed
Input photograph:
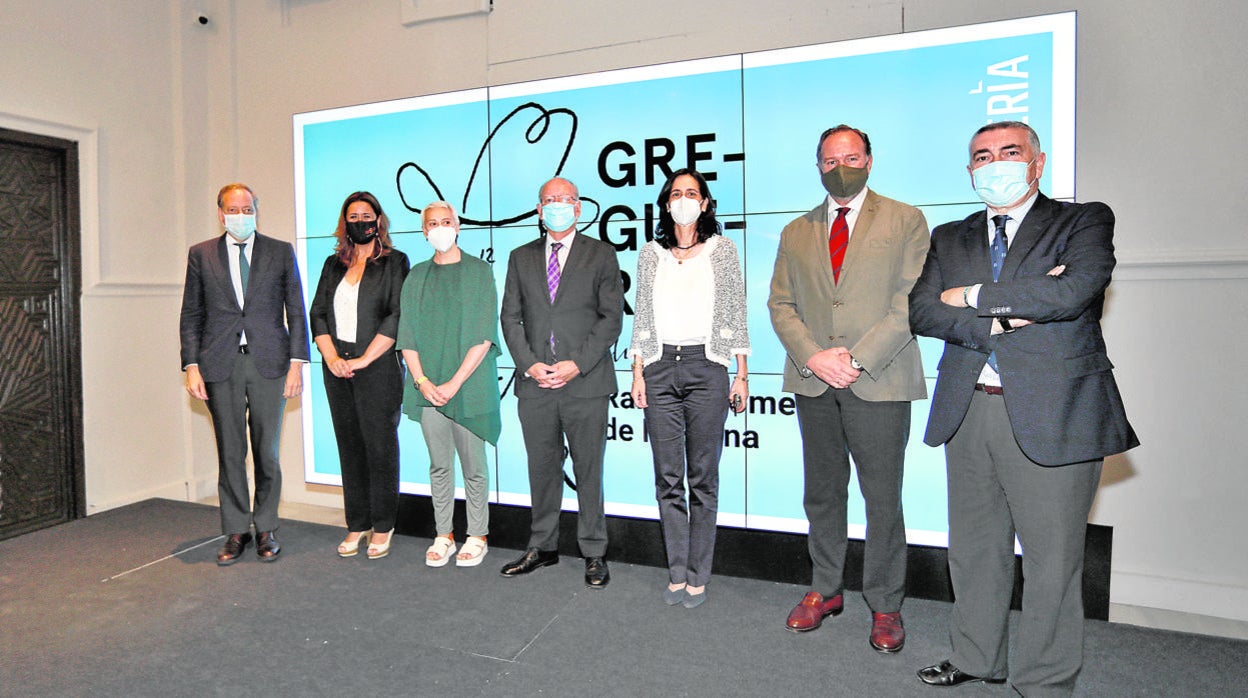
x,y
839,305
563,305
1026,406
244,341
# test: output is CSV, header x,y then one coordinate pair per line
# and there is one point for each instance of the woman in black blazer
x,y
354,320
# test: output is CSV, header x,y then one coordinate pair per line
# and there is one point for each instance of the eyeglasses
x,y
545,200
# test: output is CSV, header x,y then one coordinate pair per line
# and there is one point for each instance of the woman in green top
x,y
448,332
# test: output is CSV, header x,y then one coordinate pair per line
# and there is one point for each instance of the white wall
x,y
81,71
177,109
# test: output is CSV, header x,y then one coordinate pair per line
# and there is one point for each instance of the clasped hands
x,y
439,395
345,368
555,375
832,366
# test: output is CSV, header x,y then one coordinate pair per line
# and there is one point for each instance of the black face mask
x,y
844,182
361,232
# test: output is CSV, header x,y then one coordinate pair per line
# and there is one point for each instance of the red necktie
x,y
838,240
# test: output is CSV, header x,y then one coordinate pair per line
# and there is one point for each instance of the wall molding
x,y
1182,265
94,281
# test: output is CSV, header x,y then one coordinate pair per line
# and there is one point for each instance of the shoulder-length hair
x,y
665,231
345,249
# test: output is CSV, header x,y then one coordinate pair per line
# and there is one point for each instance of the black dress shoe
x,y
946,674
532,559
597,575
235,543
267,547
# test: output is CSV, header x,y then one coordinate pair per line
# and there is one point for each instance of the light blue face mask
x,y
240,225
1001,183
558,217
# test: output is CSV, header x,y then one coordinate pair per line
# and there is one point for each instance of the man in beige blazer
x,y
839,304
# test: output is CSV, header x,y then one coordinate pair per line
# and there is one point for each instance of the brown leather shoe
x,y
267,547
809,614
235,543
887,632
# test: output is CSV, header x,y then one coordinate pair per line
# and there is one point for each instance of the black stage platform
x,y
765,555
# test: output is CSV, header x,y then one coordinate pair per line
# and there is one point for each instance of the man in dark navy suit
x,y
563,306
1026,406
244,341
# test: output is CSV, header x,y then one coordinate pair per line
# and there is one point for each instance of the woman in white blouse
x,y
354,320
688,327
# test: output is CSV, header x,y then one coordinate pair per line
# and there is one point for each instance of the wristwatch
x,y
854,363
1005,325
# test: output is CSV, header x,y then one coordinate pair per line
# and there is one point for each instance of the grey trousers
x,y
445,438
545,421
244,403
688,405
995,491
835,425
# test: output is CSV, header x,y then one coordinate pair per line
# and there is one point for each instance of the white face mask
x,y
558,216
1001,183
442,237
240,225
684,210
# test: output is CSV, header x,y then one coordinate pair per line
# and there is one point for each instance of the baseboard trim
x,y
1223,601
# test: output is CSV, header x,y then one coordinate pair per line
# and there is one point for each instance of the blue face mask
x,y
1001,183
558,217
240,225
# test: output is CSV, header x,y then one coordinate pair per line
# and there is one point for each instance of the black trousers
x,y
687,396
545,421
365,412
247,404
836,425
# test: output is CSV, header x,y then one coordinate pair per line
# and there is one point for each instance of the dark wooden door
x,y
41,466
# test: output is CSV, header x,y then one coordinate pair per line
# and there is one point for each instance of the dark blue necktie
x,y
997,250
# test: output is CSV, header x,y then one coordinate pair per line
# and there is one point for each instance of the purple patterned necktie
x,y
552,270
552,282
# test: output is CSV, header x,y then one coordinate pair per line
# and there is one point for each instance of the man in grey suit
x,y
562,312
838,304
244,340
1026,406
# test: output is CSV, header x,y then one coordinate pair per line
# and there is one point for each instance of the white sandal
x,y
351,548
376,550
475,548
443,547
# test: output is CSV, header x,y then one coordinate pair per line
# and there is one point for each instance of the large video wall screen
x,y
750,123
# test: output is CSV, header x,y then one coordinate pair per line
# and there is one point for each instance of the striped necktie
x,y
838,240
552,281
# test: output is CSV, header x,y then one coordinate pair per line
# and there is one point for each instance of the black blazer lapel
x,y
573,268
261,260
1029,232
975,238
226,282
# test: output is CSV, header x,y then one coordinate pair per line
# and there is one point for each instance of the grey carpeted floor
x,y
130,602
